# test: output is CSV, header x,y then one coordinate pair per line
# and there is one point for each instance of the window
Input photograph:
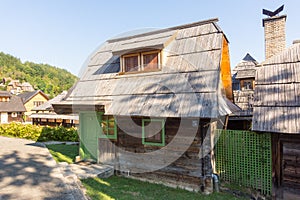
x,y
14,114
150,61
247,84
153,132
131,62
138,62
37,103
109,127
4,99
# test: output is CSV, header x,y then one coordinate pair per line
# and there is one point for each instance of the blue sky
x,y
64,33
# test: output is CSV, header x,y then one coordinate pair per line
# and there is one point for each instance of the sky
x,y
64,33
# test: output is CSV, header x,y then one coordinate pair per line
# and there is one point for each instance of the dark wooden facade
x,y
55,122
286,166
191,170
16,117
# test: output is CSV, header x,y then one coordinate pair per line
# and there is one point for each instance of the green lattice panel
x,y
245,158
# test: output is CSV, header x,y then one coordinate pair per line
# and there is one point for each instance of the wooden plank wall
x,y
188,170
225,70
286,166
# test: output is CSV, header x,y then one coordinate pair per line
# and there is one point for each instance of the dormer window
x,y
139,62
150,61
131,62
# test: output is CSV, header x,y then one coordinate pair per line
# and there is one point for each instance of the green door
x,y
89,129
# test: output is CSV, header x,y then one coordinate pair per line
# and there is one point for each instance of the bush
x,y
59,133
38,133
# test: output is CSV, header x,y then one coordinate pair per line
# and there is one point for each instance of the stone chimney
x,y
275,41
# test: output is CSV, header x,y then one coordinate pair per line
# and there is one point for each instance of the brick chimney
x,y
275,41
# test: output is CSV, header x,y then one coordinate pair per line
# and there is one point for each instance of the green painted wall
x,y
89,134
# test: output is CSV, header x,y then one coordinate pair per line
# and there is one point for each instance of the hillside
x,y
51,80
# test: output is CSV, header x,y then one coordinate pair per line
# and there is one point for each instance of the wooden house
x,y
32,100
244,79
243,84
45,115
277,111
11,108
149,103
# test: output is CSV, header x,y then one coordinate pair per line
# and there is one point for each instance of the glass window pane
x,y
153,132
131,63
150,61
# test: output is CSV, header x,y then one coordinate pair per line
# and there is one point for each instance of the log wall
x,y
190,167
286,166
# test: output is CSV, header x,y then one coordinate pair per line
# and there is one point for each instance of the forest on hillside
x,y
51,80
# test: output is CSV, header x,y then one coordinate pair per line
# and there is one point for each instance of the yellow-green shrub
x,y
39,133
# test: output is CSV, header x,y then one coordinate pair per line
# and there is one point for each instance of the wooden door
x,y
4,118
107,151
89,131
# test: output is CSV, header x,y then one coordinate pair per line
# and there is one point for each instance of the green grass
x,y
128,189
63,153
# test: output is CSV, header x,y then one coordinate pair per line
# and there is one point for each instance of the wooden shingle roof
x,y
188,84
246,68
277,93
14,104
26,96
47,106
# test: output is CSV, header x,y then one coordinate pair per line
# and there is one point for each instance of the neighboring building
x,y
15,87
276,108
244,79
46,116
11,108
277,111
32,100
243,84
178,80
27,87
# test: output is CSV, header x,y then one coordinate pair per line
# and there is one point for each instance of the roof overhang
x,y
54,116
76,108
138,49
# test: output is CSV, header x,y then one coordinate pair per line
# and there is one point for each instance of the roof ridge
x,y
198,23
248,57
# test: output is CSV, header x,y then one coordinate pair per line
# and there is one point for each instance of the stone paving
x,y
28,171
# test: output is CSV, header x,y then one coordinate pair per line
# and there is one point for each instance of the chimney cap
x,y
296,42
273,19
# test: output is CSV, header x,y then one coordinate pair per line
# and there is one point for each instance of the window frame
x,y
130,55
37,103
140,62
14,114
158,60
247,84
163,142
105,133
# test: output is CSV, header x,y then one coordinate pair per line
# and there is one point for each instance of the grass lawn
x,y
125,188
128,189
63,153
